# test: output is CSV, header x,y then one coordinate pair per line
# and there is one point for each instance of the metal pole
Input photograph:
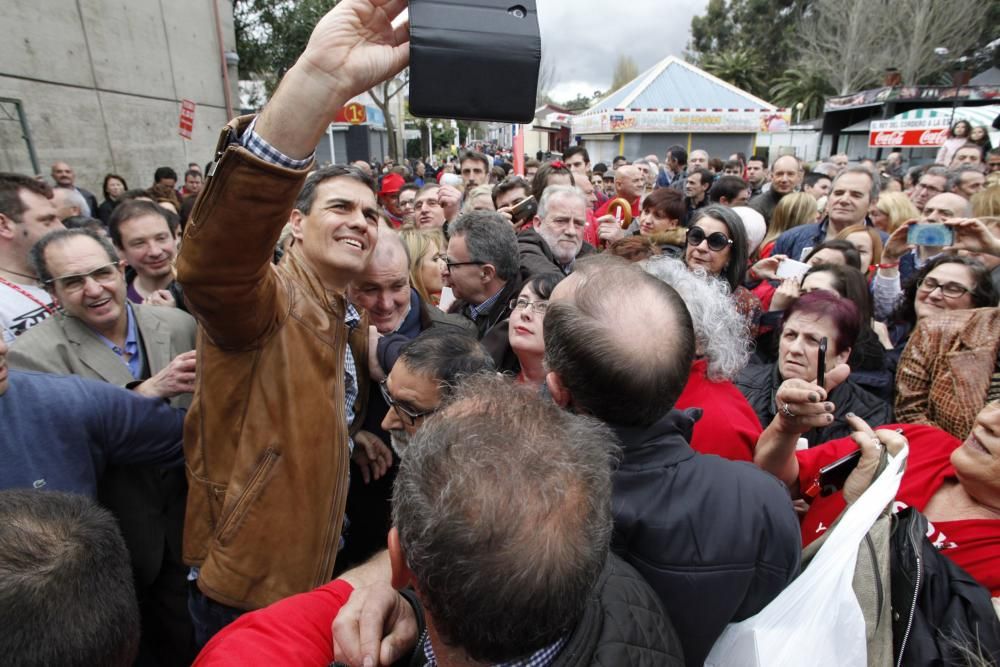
x,y
25,131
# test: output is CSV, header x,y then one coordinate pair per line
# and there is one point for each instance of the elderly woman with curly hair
x,y
728,426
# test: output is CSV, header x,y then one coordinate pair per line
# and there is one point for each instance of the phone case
x,y
930,233
474,59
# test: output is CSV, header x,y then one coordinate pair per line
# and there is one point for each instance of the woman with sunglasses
x,y
717,246
519,347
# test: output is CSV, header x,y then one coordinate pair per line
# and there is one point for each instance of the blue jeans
x,y
208,615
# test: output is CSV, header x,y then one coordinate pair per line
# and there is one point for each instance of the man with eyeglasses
x,y
407,198
397,315
425,373
26,214
933,182
482,268
98,334
555,240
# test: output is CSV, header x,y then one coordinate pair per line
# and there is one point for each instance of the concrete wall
x,y
101,83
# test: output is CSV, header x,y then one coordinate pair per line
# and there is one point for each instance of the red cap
x,y
391,184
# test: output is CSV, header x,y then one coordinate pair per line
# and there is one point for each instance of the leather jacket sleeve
x,y
225,266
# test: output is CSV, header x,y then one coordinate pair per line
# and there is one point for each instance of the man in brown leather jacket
x,y
266,440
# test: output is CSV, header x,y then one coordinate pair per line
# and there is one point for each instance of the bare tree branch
x,y
844,40
920,26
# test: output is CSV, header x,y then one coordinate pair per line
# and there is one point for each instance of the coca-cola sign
x,y
907,138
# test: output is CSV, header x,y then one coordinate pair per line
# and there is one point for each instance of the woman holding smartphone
x,y
809,320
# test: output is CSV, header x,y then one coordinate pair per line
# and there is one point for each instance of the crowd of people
x,y
380,412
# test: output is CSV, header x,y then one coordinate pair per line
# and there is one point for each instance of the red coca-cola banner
x,y
907,138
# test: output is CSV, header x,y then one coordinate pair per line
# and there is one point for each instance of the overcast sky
x,y
584,38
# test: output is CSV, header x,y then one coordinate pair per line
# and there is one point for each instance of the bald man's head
x,y
945,206
629,182
383,288
591,370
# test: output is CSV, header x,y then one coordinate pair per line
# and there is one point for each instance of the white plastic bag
x,y
816,621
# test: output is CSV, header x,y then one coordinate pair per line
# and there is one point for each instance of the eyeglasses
x,y
717,241
451,265
105,275
406,414
948,290
929,188
537,307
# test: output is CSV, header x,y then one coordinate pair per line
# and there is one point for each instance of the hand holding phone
x,y
789,268
930,234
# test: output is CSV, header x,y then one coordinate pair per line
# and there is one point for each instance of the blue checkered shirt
x,y
476,311
540,658
254,143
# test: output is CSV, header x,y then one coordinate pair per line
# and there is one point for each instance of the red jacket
x,y
728,426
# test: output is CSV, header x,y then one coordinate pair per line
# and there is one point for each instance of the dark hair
x,y
133,209
10,193
850,283
634,248
729,187
162,173
84,222
984,294
738,251
508,184
600,168
813,177
37,253
715,164
108,177
757,158
540,181
620,157
129,195
843,312
406,187
678,153
193,172
447,356
573,150
489,242
531,162
851,255
542,284
66,594
307,195
477,156
503,496
732,164
968,126
161,192
633,385
706,177
666,203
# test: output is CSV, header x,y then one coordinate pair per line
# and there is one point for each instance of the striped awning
x,y
975,115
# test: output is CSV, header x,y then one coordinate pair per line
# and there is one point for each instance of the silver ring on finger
x,y
877,443
785,411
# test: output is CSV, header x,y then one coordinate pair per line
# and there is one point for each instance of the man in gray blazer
x,y
98,334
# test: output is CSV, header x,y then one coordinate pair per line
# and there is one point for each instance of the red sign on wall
x,y
911,138
186,123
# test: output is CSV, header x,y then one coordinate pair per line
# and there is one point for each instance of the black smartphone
x,y
833,476
821,363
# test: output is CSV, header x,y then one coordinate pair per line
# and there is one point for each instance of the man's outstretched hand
x,y
352,48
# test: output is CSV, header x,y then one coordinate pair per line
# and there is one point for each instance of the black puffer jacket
x,y
623,624
716,539
759,383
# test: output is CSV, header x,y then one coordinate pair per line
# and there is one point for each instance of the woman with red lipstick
x,y
519,347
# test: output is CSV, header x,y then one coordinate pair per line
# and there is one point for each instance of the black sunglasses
x,y
406,413
717,241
